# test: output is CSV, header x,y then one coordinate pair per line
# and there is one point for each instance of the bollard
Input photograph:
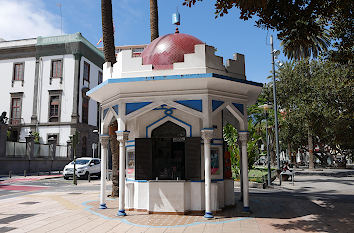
x,y
89,177
24,173
10,174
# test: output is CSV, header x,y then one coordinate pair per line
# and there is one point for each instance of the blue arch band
x,y
103,206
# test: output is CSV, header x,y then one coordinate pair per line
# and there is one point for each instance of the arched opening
x,y
168,154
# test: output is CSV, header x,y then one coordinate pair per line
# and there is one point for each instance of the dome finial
x,y
176,19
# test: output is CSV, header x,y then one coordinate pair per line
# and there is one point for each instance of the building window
x,y
85,109
18,74
54,108
86,72
100,77
56,70
16,105
53,136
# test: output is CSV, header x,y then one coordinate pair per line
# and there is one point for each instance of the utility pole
x,y
75,139
275,53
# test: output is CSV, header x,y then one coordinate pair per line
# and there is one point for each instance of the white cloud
x,y
21,19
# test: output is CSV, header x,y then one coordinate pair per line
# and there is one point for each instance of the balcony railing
x,y
15,121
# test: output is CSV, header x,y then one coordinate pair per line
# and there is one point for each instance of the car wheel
x,y
99,175
66,177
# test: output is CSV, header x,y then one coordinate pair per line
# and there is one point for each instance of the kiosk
x,y
171,105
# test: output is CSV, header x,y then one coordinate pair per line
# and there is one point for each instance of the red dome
x,y
166,50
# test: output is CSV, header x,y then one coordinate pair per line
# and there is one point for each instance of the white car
x,y
85,166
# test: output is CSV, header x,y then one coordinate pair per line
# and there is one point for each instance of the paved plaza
x,y
316,203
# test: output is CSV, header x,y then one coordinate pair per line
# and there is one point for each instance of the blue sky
x,y
228,34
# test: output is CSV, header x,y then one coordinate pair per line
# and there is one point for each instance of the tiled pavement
x,y
273,211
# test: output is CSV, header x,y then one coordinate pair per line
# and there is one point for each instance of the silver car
x,y
85,166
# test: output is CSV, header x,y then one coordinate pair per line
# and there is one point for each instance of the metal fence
x,y
15,149
18,149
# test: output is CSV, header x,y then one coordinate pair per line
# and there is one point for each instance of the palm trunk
x,y
311,162
154,20
114,144
108,32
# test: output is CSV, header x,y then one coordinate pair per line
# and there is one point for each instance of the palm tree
x,y
108,32
110,56
114,144
154,20
304,40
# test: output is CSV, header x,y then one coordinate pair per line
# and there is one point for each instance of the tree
x,y
114,145
110,56
318,101
154,20
301,25
108,32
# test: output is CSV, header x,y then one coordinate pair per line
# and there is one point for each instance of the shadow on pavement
x,y
319,213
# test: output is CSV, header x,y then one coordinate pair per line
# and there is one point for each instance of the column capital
x,y
122,136
243,136
207,134
104,141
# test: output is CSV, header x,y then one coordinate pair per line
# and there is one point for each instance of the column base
x,y
246,210
121,213
208,215
103,206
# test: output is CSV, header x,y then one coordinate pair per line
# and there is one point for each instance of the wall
x,y
18,165
66,86
6,67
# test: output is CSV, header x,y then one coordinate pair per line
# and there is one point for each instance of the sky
x,y
20,19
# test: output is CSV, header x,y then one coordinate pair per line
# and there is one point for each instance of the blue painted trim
x,y
132,107
105,111
129,146
139,181
147,127
103,206
131,141
208,215
171,77
115,108
122,131
89,209
243,131
193,104
240,107
216,144
208,129
246,209
121,213
215,104
104,135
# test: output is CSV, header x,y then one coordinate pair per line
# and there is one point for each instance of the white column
x,y
243,136
207,135
122,137
241,175
104,142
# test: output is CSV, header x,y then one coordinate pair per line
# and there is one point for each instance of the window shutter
x,y
143,158
193,158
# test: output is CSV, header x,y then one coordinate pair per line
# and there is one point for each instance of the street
x,y
320,202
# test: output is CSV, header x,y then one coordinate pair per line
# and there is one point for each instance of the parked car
x,y
85,166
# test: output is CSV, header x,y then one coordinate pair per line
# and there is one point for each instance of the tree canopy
x,y
305,27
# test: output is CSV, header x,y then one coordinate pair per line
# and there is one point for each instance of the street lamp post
x,y
266,107
274,54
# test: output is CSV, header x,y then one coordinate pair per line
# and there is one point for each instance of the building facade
x,y
44,85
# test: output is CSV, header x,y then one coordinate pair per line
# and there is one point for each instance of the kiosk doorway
x,y
168,152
